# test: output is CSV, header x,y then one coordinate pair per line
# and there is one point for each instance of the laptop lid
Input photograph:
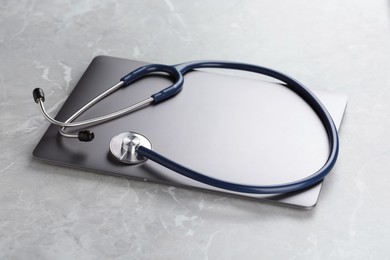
x,y
244,130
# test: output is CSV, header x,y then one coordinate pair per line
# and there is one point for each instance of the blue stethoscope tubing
x,y
177,73
292,84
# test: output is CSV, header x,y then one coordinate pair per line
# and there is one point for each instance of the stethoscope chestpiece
x,y
124,147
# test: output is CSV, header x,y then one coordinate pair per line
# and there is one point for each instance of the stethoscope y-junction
x,y
134,148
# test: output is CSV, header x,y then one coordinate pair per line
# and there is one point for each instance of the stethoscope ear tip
x,y
86,136
38,94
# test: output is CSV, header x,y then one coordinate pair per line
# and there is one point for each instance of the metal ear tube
x,y
39,97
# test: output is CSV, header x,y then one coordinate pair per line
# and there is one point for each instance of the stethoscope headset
x,y
134,148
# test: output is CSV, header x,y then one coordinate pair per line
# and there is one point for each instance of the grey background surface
x,y
51,212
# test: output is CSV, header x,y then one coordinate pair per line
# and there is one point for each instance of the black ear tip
x,y
86,136
38,94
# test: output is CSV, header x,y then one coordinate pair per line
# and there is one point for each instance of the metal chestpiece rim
x,y
124,147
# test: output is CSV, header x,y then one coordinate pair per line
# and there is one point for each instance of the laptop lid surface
x,y
244,130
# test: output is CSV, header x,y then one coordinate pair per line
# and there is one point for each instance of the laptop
x,y
246,130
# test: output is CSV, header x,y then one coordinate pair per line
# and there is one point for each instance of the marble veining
x,y
53,212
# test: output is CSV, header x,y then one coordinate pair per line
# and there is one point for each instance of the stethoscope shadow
x,y
148,170
76,157
158,177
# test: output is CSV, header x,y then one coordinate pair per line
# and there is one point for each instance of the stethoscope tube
x,y
177,73
295,86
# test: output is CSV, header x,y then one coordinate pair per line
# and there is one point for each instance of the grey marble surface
x,y
51,212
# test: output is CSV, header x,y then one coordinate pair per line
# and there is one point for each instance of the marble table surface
x,y
53,212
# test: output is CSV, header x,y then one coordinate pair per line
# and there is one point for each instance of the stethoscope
x,y
134,148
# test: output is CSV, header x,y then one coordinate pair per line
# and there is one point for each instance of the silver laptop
x,y
245,130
